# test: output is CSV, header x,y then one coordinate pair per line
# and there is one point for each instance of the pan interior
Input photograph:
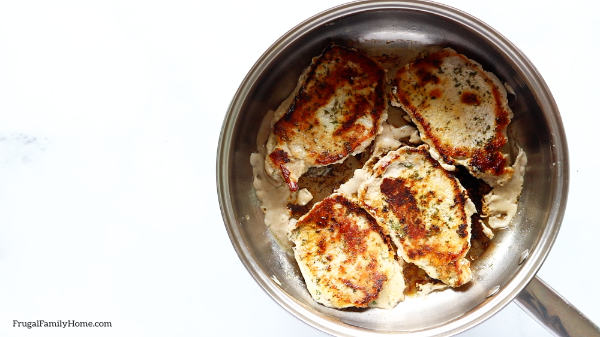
x,y
395,30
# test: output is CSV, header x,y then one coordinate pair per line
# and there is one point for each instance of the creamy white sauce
x,y
390,137
303,197
500,205
435,155
350,187
273,201
274,196
487,231
415,138
429,287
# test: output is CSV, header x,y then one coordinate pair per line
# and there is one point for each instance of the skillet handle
x,y
554,312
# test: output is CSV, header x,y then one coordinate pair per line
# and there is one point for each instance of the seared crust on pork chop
x,y
344,258
335,112
460,110
424,209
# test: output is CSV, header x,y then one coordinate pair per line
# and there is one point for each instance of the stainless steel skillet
x,y
506,268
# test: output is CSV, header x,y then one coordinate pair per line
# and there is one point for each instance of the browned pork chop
x,y
336,111
460,110
424,209
344,258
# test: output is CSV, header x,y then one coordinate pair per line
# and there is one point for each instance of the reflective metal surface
x,y
502,272
553,311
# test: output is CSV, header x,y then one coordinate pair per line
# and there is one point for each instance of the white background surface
x,y
110,114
